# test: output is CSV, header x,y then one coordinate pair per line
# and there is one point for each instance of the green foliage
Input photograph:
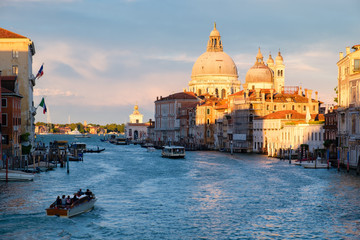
x,y
26,149
336,91
24,137
316,122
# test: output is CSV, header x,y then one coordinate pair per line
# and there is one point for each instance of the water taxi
x,y
84,204
173,152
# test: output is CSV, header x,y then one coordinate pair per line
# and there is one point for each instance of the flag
x,y
40,72
42,104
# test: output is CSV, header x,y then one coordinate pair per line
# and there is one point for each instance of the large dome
x,y
214,63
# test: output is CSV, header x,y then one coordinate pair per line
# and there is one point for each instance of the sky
x,y
103,57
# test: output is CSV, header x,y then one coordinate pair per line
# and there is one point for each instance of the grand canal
x,y
208,195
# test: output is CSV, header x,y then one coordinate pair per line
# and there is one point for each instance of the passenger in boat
x,y
63,200
58,201
74,199
80,192
88,193
68,200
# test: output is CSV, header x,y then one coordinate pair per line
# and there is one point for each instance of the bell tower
x,y
279,73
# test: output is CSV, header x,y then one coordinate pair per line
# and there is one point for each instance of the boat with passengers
x,y
173,152
83,203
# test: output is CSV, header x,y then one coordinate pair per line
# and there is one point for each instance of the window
x,y
4,102
208,111
304,108
267,107
356,64
4,120
15,70
208,121
293,107
5,139
274,107
216,92
15,54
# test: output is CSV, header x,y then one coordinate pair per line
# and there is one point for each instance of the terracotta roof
x,y
282,115
138,124
8,34
179,95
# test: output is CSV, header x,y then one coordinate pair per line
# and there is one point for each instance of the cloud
x,y
53,92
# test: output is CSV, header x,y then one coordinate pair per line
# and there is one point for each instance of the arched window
x,y
214,42
232,90
207,90
223,93
251,117
219,69
293,107
199,92
278,73
216,92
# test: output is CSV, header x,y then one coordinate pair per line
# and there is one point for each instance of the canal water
x,y
208,195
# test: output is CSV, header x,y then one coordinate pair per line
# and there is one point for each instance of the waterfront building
x,y
247,104
167,112
214,72
280,131
348,112
136,130
11,117
331,130
16,58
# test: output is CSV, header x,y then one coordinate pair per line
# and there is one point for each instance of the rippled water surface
x,y
208,195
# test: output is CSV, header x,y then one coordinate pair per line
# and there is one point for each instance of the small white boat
x,y
173,152
151,149
83,204
315,164
15,176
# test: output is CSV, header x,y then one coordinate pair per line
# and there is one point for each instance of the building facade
x,y
11,117
167,116
135,129
16,58
348,112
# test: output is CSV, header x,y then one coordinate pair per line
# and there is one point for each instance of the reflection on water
x,y
208,195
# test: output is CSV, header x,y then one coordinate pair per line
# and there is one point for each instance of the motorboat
x,y
95,150
173,152
151,149
13,176
85,203
317,163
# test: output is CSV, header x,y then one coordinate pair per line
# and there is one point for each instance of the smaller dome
x,y
259,73
270,60
214,32
136,107
279,58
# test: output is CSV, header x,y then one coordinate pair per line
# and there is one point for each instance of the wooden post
x,y
338,160
34,163
7,170
348,161
67,164
328,158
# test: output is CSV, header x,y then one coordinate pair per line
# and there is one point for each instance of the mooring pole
x,y
338,160
67,164
348,161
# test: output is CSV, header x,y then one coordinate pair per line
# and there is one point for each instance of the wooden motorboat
x,y
83,204
173,152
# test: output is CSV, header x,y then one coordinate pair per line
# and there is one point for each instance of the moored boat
x,y
12,176
173,152
84,203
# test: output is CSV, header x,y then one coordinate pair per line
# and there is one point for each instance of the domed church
x,y
214,72
262,76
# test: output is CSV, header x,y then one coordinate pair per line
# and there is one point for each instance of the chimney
x,y
310,93
341,55
316,96
272,95
347,50
306,92
157,98
300,91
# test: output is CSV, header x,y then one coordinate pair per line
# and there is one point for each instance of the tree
x,y
337,92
